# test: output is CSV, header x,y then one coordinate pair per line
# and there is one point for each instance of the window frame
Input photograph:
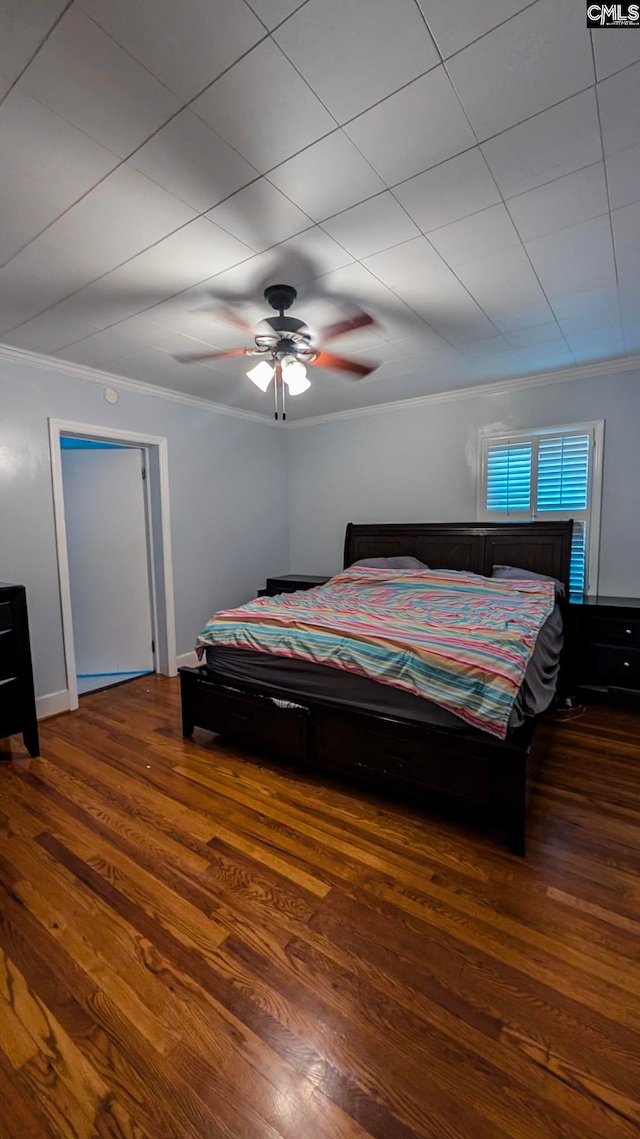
x,y
490,437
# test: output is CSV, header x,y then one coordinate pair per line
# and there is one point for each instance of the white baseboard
x,y
52,704
189,660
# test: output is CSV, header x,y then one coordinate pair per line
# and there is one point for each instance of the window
x,y
553,475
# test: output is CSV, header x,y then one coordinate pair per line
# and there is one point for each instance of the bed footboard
x,y
471,769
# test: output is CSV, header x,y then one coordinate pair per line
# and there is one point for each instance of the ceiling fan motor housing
x,y
280,297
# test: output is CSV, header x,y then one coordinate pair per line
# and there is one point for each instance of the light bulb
x,y
294,375
261,375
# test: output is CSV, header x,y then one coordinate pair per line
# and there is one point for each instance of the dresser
x,y
291,583
606,644
17,699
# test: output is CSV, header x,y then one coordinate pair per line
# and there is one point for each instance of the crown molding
x,y
476,391
471,391
111,379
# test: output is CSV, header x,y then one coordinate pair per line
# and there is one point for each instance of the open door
x,y
109,563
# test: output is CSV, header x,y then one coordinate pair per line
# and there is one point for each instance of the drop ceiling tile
x,y
98,349
580,257
623,176
23,26
416,273
626,226
46,166
273,12
539,334
554,143
522,317
451,191
119,218
476,236
547,357
250,105
260,216
604,348
23,296
356,53
502,281
25,208
588,305
488,346
191,161
351,178
614,52
82,75
456,23
194,253
536,59
300,261
187,45
372,226
49,331
38,277
565,202
618,100
39,145
406,266
418,127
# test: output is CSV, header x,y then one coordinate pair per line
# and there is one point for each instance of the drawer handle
x,y
626,664
399,756
9,680
628,632
239,716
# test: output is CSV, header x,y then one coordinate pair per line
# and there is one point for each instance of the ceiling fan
x,y
289,347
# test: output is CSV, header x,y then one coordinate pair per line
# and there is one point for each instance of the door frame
x,y
156,457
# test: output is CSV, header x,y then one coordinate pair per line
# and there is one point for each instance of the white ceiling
x,y
467,171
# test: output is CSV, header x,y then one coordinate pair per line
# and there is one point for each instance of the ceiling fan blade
x,y
342,364
194,357
341,327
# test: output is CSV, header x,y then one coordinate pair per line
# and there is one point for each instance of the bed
x,y
316,715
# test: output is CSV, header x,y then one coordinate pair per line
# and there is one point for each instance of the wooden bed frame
x,y
467,766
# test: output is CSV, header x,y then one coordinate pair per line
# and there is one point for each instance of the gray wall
x,y
420,465
228,501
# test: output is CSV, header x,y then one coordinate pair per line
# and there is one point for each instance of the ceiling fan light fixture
x,y
294,375
261,375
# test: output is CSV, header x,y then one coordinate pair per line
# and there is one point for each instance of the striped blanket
x,y
460,640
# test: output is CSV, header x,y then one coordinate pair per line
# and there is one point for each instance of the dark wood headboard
x,y
543,547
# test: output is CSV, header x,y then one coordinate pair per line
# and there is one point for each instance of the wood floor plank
x,y
195,944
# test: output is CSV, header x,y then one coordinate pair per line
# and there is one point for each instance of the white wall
x,y
228,501
419,464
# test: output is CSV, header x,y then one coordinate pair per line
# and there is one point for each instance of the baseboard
x,y
188,659
52,704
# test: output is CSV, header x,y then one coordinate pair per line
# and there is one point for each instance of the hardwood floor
x,y
195,946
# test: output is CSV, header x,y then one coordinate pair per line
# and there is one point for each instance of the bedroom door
x,y
109,564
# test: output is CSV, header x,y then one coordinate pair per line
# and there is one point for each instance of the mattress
x,y
285,676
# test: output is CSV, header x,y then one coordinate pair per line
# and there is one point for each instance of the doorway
x,y
114,555
109,561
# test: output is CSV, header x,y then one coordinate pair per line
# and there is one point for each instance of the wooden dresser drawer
x,y
611,665
7,654
338,744
11,706
605,630
6,615
254,720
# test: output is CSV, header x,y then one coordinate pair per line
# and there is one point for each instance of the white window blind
x,y
547,475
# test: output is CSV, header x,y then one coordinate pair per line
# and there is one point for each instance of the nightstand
x,y
17,700
291,583
607,644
